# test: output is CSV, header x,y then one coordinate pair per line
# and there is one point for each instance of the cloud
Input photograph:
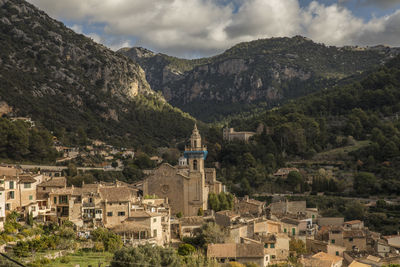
x,y
205,27
380,3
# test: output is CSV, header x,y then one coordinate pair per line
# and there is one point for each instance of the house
x,y
92,204
229,134
243,253
382,248
226,218
292,226
190,226
276,246
354,225
393,240
142,225
284,172
354,240
330,221
316,246
250,206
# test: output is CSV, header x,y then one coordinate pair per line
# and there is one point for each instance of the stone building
x,y
185,186
229,134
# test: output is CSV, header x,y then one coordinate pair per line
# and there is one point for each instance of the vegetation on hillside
x,y
364,110
73,85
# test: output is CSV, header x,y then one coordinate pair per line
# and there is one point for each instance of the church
x,y
186,185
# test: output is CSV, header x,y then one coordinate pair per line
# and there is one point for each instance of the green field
x,y
84,259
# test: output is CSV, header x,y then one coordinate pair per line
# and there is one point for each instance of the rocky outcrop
x,y
268,71
66,80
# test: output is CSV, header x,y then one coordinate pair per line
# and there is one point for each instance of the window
x,y
55,200
155,220
272,245
11,195
90,200
27,185
121,213
30,197
98,211
266,245
284,230
273,256
11,184
337,253
33,208
44,188
63,199
8,206
154,232
351,239
333,241
313,216
293,231
109,214
195,164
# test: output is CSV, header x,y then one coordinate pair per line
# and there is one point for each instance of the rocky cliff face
x,y
268,71
64,79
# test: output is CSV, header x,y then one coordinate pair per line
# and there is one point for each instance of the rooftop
x,y
327,257
54,182
233,250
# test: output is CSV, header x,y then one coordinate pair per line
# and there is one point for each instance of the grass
x,y
84,259
338,153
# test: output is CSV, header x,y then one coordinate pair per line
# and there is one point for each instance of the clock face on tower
x,y
165,188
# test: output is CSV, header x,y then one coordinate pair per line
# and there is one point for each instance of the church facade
x,y
186,185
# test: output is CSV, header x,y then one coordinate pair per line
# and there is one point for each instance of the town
x,y
171,207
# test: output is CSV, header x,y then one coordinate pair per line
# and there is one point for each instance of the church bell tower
x,y
196,153
197,193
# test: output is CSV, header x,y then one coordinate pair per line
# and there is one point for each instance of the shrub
x,y
186,249
65,259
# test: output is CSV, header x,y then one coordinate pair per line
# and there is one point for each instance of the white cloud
x,y
206,27
77,28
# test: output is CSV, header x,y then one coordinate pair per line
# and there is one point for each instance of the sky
x,y
199,28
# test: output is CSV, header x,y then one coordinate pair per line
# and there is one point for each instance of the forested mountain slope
x,y
355,127
261,73
71,84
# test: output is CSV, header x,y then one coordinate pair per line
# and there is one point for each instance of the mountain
x,y
68,82
262,73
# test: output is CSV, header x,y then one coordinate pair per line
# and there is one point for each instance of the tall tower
x,y
196,154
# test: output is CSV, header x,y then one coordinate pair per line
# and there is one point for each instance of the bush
x,y
65,259
186,249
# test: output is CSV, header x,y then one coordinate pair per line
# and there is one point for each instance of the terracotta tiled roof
x,y
358,264
143,214
27,179
353,234
327,257
290,221
54,182
117,194
233,250
353,222
130,227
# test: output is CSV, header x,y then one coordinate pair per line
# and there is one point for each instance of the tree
x,y
200,212
295,181
213,202
297,245
354,211
365,183
146,255
211,233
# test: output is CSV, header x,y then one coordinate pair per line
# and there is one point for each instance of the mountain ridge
x,y
265,71
67,81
